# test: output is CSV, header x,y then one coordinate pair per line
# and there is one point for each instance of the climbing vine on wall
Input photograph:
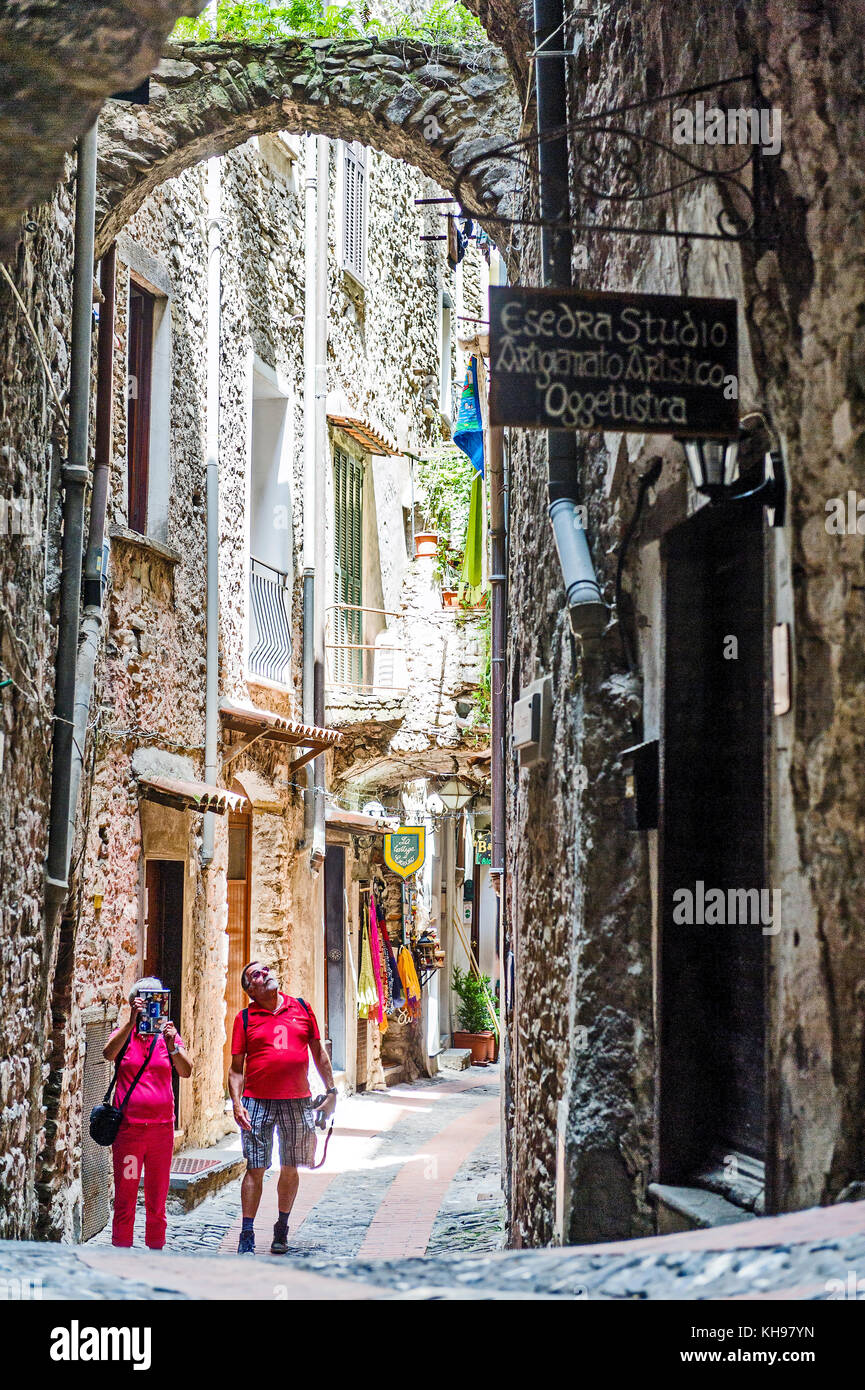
x,y
444,22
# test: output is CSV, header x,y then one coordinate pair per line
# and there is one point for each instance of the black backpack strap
x,y
306,1007
139,1073
245,1016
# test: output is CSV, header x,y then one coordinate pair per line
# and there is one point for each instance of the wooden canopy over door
x,y
239,885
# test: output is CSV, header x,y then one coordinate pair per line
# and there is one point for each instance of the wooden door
x,y
334,936
712,990
239,884
163,935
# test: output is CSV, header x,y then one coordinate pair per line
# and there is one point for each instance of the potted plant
x,y
425,545
447,569
473,1016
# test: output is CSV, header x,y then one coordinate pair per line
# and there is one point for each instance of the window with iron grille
x,y
354,209
348,568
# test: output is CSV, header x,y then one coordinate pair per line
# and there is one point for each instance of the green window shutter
x,y
348,567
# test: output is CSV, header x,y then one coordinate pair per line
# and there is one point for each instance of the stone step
x,y
197,1173
693,1209
455,1059
394,1073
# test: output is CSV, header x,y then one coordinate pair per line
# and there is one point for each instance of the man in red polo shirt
x,y
274,1039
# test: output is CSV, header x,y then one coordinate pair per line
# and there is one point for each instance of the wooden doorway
x,y
334,945
713,817
163,936
239,887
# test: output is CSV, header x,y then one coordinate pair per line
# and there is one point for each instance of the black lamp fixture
x,y
715,471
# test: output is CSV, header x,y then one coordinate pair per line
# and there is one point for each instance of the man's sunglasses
x,y
258,974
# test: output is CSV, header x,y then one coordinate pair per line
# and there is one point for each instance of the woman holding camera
x,y
145,1140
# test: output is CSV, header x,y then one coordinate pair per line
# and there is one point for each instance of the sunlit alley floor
x,y
409,1171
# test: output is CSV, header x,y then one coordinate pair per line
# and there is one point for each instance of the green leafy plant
x,y
482,712
445,479
476,1000
445,22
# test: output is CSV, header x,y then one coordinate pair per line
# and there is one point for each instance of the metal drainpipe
x,y
75,474
309,492
211,697
322,454
91,623
586,606
498,553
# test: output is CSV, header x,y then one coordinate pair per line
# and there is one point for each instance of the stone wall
x,y
582,893
32,445
60,63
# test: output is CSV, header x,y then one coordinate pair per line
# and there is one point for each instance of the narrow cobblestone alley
x,y
410,1171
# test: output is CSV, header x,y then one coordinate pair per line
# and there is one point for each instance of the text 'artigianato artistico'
x,y
583,366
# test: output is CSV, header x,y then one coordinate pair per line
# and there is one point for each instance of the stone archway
x,y
441,110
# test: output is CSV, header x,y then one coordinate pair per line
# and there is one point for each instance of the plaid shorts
x,y
295,1121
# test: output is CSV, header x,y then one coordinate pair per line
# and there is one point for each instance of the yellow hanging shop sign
x,y
405,849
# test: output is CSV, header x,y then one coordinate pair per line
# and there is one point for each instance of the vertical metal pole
x,y
75,474
211,698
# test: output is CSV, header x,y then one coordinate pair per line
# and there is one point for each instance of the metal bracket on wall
x,y
610,163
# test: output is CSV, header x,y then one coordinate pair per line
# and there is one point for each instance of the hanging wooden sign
x,y
589,360
483,846
405,849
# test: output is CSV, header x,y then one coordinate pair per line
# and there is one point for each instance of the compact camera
x,y
157,1008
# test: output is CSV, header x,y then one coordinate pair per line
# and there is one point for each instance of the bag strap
x,y
139,1073
246,1013
118,1060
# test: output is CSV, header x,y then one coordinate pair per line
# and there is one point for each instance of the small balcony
x,y
269,623
374,668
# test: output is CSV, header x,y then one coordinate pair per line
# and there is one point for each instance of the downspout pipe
x,y
322,455
498,575
211,693
310,222
91,623
74,477
588,613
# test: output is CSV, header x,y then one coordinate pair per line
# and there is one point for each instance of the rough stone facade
x,y
60,62
583,893
149,704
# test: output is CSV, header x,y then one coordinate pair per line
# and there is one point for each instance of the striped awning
x,y
181,795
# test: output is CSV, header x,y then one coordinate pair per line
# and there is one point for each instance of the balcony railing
x,y
346,662
269,623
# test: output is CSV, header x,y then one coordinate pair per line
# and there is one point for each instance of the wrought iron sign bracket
x,y
592,174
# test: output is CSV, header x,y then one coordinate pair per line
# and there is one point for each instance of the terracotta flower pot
x,y
479,1044
425,545
450,598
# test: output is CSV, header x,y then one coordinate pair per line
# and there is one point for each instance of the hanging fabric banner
x,y
469,436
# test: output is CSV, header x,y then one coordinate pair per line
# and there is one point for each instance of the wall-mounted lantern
x,y
714,467
454,794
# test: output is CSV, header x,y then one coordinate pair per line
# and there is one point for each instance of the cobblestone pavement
x,y
413,1168
409,1207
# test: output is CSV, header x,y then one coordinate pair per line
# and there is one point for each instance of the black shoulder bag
x,y
105,1119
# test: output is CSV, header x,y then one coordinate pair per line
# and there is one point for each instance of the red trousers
x,y
137,1146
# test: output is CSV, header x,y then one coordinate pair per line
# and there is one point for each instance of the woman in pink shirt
x,y
145,1139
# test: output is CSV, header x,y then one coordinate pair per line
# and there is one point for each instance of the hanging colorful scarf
x,y
367,994
396,988
411,984
377,965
